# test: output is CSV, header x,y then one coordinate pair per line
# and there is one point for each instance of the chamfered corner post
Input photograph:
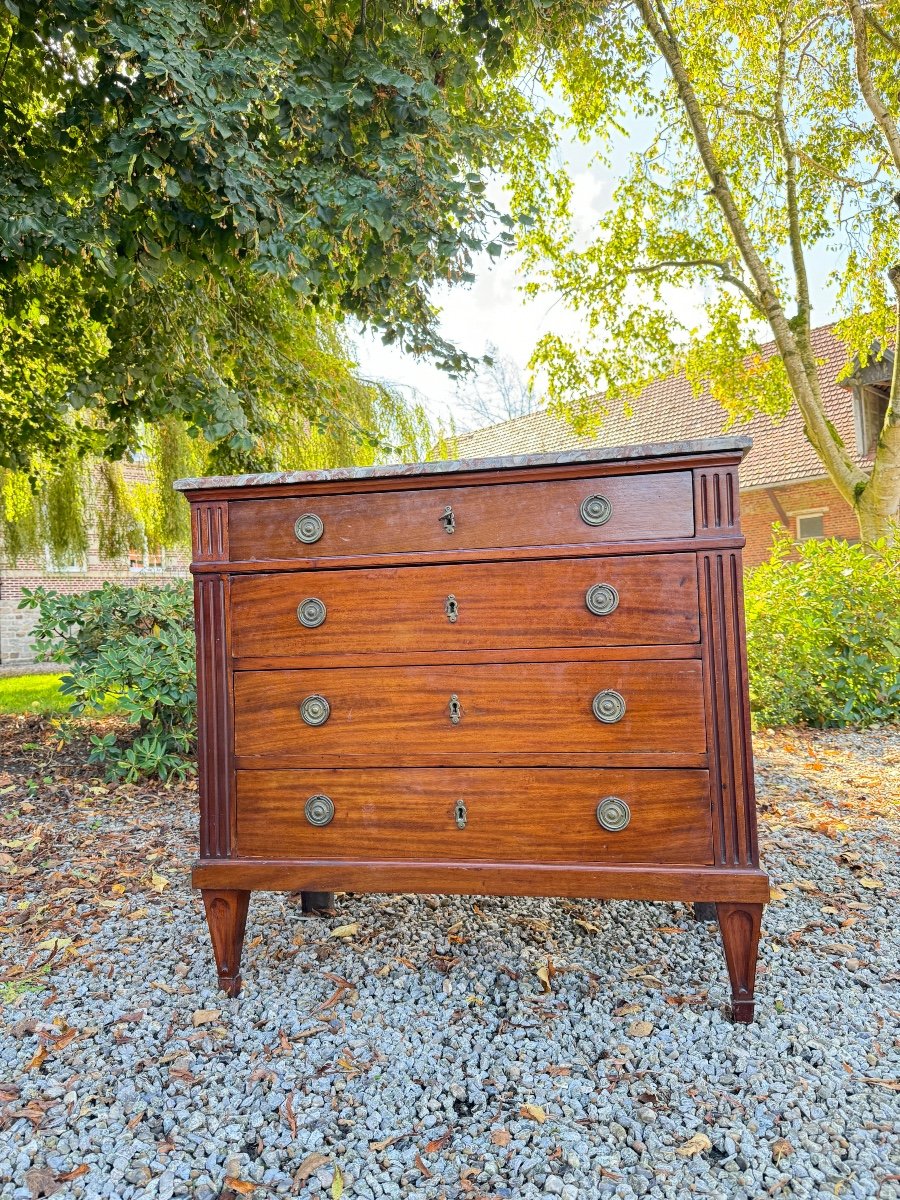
x,y
739,925
226,916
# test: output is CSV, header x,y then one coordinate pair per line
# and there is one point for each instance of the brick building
x,y
142,564
782,480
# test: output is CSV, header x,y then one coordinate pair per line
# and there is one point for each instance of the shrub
x,y
136,646
823,634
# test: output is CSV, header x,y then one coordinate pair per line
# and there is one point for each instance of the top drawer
x,y
556,512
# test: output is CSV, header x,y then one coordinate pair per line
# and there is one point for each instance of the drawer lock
x,y
448,520
613,813
455,709
608,707
461,815
602,599
595,510
315,710
308,528
451,608
319,810
311,612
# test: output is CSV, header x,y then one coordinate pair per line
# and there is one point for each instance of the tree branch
x,y
878,108
844,472
725,274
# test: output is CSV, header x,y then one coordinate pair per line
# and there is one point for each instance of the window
x,y
67,563
147,561
810,525
871,404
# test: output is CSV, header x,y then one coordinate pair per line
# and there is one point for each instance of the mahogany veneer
x,y
512,676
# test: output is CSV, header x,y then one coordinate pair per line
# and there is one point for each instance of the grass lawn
x,y
32,693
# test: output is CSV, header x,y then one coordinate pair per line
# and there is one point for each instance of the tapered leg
x,y
226,916
317,902
704,911
739,924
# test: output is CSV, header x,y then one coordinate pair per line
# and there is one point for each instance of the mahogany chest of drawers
x,y
512,676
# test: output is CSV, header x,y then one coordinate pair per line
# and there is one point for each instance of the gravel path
x,y
423,1054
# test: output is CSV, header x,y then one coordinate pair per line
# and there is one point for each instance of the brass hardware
x,y
315,710
308,528
451,608
602,599
319,810
608,707
595,510
613,813
448,520
311,612
461,814
455,709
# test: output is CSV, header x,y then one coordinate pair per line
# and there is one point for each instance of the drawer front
x,y
640,600
542,712
512,815
631,507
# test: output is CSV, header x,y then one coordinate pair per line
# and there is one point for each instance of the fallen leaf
x,y
310,1165
589,926
421,1167
544,975
534,1112
60,943
389,1141
781,1148
39,1056
439,1143
337,1184
625,1010
203,1016
242,1186
41,1181
289,1114
867,881
776,893
640,1029
698,1144
346,931
158,882
75,1173
500,1137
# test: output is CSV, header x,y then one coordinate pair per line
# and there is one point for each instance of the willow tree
x,y
768,131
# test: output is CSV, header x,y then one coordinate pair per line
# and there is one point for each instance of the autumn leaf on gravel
x,y
439,1143
587,926
421,1167
203,1016
867,881
337,1184
639,1029
698,1144
312,1163
781,1148
625,1010
158,882
346,931
533,1112
776,893
289,1115
545,974
240,1187
39,1055
500,1137
42,1181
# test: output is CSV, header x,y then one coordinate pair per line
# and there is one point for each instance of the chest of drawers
x,y
513,676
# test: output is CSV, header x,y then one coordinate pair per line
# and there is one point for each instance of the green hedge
x,y
823,634
135,646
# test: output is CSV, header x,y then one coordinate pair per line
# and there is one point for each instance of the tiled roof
x,y
668,411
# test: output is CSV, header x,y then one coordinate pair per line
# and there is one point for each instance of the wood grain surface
x,y
496,606
541,815
503,515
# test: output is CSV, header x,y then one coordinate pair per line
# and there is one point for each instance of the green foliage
x,y
823,634
134,645
32,693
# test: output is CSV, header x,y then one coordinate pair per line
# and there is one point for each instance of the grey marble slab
x,y
594,454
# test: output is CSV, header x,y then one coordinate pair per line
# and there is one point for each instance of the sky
x,y
494,310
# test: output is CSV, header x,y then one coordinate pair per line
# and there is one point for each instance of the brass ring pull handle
x,y
595,510
460,814
315,710
613,814
608,706
319,810
308,528
455,709
311,612
448,520
451,608
602,599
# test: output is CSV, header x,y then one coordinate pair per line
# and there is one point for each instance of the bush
x,y
823,634
136,646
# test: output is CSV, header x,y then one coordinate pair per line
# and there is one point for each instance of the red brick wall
x,y
759,514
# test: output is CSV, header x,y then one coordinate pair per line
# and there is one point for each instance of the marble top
x,y
593,454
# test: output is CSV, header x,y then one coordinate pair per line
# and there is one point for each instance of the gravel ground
x,y
422,1053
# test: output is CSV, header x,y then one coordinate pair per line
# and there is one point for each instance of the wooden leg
x,y
739,925
704,911
226,916
317,902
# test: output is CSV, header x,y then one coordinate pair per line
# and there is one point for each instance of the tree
x,y
771,130
498,390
